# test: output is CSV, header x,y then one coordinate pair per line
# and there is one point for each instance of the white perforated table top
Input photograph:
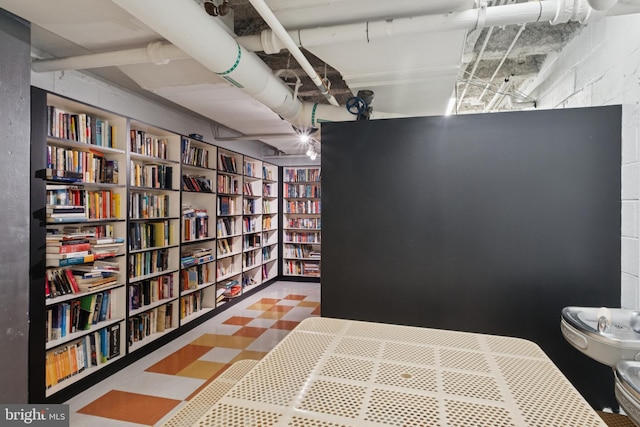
x,y
334,373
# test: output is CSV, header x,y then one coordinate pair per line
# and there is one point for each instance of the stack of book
x,y
196,256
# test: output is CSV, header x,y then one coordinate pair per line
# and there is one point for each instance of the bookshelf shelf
x,y
77,377
76,335
136,345
152,199
151,306
301,222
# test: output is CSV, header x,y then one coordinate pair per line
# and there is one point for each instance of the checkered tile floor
x,y
148,391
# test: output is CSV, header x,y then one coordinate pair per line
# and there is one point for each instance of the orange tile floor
x,y
150,390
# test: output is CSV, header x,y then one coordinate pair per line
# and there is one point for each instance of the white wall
x,y
599,67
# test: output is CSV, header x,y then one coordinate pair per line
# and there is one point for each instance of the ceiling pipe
x,y
476,63
502,61
277,28
158,53
554,11
183,23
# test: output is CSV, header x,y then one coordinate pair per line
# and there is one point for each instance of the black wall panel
x,y
484,223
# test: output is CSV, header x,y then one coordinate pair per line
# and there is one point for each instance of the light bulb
x,y
313,155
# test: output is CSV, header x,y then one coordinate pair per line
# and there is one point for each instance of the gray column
x,y
14,206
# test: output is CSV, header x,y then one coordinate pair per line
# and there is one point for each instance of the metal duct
x,y
183,23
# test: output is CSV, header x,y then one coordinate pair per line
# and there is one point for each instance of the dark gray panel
x,y
15,68
482,223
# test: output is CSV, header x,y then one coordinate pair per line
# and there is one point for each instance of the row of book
x,y
99,204
65,195
305,223
302,268
267,253
72,165
225,267
249,206
250,224
268,174
298,237
251,169
148,145
302,190
78,315
70,252
227,205
149,291
190,304
61,281
194,276
150,322
247,189
79,127
196,256
250,259
227,163
151,176
196,183
144,263
194,156
228,184
248,280
251,241
195,224
267,205
226,227
93,349
224,247
269,189
301,251
148,205
302,175
230,289
150,235
266,223
303,206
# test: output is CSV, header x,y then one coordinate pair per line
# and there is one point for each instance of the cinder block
x,y
630,255
629,294
631,181
630,126
629,219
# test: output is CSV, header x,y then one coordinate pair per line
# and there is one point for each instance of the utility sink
x,y
607,335
627,389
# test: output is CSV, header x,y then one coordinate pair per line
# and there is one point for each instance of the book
x,y
104,307
97,305
114,340
87,307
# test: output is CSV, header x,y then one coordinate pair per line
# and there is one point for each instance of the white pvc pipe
x,y
183,23
368,31
157,53
275,25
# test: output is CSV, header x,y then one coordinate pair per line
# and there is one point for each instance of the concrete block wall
x,y
601,66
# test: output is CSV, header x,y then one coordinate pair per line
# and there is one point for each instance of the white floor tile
x,y
268,340
221,355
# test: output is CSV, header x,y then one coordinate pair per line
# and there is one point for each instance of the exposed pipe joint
x,y
482,15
